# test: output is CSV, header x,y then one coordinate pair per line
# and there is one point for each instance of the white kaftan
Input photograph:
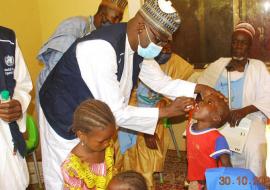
x,y
13,169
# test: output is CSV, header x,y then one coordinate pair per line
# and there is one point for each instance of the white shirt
x,y
98,70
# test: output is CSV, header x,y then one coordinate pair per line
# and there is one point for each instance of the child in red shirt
x,y
206,147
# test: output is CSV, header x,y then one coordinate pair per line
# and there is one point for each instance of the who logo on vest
x,y
9,60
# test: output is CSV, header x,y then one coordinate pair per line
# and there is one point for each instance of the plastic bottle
x,y
4,96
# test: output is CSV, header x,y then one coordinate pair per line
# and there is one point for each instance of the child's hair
x,y
134,179
224,112
91,114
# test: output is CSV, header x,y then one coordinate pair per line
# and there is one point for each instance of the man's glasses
x,y
158,41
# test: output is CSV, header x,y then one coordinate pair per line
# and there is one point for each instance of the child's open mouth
x,y
196,107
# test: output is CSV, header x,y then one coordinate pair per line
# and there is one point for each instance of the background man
x,y
250,89
109,12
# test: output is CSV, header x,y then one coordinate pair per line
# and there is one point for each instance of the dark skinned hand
x,y
179,106
236,116
205,90
10,111
151,141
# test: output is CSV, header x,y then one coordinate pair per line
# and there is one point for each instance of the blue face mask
x,y
163,58
151,51
106,23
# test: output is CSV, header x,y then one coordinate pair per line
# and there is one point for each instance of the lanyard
x,y
229,83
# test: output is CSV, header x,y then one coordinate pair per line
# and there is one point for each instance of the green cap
x,y
5,95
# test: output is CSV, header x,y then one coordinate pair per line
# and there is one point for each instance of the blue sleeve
x,y
221,147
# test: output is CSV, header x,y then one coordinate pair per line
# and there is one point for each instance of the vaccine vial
x,y
4,96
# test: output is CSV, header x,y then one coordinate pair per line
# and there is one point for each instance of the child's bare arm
x,y
225,160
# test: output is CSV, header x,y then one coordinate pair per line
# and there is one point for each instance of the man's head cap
x,y
118,5
161,15
245,27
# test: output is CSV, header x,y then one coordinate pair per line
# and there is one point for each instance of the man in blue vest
x,y
15,86
105,65
109,12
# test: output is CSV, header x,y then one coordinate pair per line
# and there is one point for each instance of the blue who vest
x,y
64,89
7,81
7,59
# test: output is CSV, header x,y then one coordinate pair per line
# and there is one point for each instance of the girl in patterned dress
x,y
90,163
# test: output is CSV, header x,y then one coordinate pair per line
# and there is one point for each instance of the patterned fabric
x,y
245,27
153,12
78,175
119,5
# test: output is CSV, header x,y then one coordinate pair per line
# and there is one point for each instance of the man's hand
x,y
151,141
161,103
205,90
10,111
179,106
237,115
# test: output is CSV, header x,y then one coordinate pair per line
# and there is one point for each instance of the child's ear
x,y
216,118
80,135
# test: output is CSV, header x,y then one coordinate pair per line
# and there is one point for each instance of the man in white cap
x,y
250,89
109,12
105,65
